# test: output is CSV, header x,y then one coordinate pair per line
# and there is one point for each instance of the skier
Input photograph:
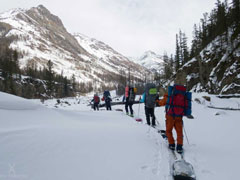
x,y
175,102
149,99
129,99
107,98
96,101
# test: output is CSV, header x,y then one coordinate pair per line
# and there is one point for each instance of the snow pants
x,y
177,124
130,107
108,105
95,106
150,112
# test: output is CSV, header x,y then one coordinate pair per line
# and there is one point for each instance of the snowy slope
x,y
38,42
41,36
108,57
74,142
150,60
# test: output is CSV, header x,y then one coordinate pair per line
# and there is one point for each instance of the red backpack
x,y
96,99
126,91
177,102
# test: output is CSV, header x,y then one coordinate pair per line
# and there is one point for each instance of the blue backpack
x,y
106,94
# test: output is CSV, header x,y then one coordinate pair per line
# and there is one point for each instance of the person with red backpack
x,y
177,104
96,101
129,99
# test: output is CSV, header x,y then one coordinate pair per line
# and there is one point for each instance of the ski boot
x,y
171,146
179,149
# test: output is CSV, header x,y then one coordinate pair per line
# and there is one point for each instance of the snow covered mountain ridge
x,y
150,60
40,36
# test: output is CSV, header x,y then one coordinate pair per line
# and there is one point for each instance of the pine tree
x,y
185,49
194,47
177,55
181,59
236,17
73,81
65,87
49,78
168,68
236,11
204,30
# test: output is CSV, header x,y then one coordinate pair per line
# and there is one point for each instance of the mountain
x,y
107,57
150,60
41,36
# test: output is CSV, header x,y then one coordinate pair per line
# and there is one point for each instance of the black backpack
x,y
150,95
106,94
131,97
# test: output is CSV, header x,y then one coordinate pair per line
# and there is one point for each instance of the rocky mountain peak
x,y
43,16
149,53
41,36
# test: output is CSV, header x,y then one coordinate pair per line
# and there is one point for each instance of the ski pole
x,y
138,109
186,134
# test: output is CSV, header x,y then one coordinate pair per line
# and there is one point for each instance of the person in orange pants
x,y
177,124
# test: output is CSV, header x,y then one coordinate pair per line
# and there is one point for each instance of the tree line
x,y
223,20
32,81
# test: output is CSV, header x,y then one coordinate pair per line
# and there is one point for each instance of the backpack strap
x,y
172,93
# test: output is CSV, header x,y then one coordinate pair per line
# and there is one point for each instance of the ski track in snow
x,y
58,143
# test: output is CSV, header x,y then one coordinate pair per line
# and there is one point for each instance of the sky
x,y
131,27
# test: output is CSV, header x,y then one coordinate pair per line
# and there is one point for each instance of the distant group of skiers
x,y
106,97
177,102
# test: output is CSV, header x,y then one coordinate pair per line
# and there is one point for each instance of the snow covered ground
x,y
68,140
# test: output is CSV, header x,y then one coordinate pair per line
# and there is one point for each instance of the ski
x,y
181,169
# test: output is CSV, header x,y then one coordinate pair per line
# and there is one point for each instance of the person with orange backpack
x,y
177,104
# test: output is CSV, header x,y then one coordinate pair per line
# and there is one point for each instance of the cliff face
x,y
216,69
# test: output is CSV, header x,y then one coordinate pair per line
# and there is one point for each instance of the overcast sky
x,y
131,27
